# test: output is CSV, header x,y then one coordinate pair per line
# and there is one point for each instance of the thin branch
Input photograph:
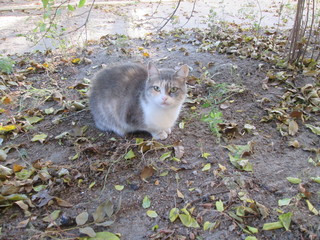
x,y
84,24
51,21
168,19
192,11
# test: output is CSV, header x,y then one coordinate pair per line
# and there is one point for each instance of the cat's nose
x,y
164,98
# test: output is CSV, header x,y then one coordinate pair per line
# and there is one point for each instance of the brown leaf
x,y
63,203
293,127
180,195
178,150
23,223
302,189
147,172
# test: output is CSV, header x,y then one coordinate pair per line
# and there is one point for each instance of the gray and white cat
x,y
131,98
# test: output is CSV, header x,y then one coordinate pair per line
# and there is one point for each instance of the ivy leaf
x,y
146,203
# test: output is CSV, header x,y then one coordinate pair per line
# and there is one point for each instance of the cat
x,y
130,97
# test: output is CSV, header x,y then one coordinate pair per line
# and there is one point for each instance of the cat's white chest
x,y
159,118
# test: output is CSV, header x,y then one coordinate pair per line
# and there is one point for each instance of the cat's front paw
x,y
160,135
168,131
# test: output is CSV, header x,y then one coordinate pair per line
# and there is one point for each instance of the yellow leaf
x,y
46,65
145,54
8,128
17,167
76,60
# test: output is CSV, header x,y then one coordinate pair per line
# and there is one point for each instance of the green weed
x,y
6,65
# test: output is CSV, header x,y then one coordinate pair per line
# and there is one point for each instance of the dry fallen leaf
x,y
147,172
293,127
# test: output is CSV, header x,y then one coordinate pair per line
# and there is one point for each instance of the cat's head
x,y
166,88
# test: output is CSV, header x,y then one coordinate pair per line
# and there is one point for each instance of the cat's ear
x,y
152,70
183,71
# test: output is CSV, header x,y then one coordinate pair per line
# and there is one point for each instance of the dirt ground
x,y
73,168
90,156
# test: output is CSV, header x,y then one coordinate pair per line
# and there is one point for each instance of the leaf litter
x,y
194,191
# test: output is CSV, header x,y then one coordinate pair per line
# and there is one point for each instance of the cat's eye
x,y
173,89
156,88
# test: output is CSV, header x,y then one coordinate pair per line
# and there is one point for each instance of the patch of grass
x,y
6,65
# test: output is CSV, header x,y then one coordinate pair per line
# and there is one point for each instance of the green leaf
x,y
163,174
45,3
188,221
152,214
315,130
284,202
119,187
70,7
24,174
103,235
129,155
39,188
285,219
272,226
294,180
209,226
205,155
206,167
16,197
312,208
81,3
165,156
252,229
88,231
146,203
39,137
219,206
250,238
174,214
34,119
316,179
82,218
105,208
52,216
155,227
